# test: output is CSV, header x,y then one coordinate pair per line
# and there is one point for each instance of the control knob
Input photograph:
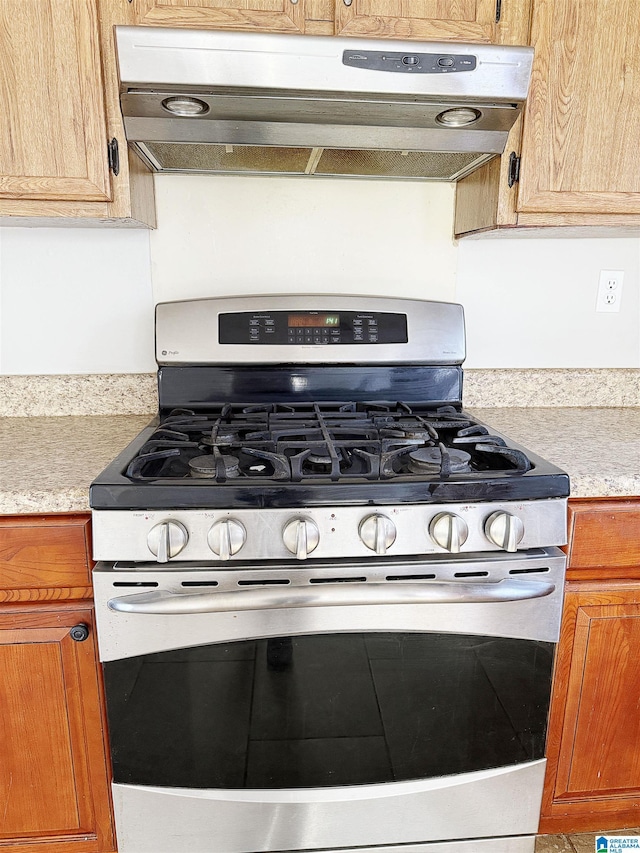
x,y
378,533
226,538
301,537
504,530
167,539
449,531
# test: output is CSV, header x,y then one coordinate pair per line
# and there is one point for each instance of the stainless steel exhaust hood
x,y
228,102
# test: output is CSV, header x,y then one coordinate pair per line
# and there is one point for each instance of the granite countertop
x,y
598,448
47,463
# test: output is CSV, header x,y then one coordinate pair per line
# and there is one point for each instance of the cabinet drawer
x,y
42,552
604,534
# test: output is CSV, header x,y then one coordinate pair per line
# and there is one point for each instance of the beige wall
x,y
221,235
81,300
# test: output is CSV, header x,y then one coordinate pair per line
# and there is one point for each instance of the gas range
x,y
312,524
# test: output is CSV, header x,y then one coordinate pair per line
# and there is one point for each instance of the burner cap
x,y
223,437
206,466
427,460
319,460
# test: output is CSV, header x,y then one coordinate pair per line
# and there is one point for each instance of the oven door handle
x,y
161,602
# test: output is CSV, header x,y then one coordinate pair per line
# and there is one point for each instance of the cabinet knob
x,y
79,633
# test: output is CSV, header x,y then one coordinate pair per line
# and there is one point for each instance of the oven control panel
x,y
328,532
312,328
309,329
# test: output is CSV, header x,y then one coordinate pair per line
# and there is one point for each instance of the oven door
x,y
326,708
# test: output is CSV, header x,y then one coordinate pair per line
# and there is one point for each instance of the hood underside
x,y
214,102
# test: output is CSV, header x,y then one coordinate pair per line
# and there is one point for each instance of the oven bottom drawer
x,y
488,806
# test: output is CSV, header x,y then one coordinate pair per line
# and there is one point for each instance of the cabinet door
x,y
53,142
283,16
580,148
594,731
461,20
53,774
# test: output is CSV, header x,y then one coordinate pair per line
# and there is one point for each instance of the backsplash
x,y
133,394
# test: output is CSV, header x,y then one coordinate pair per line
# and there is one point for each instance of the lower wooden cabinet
x,y
54,775
593,778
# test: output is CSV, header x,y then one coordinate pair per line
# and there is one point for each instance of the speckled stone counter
x,y
47,464
598,448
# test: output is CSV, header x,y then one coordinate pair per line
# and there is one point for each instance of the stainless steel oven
x,y
327,623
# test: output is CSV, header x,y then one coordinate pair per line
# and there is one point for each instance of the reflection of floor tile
x,y
442,717
321,762
323,689
584,842
183,724
553,844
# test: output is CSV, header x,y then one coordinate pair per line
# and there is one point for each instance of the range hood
x,y
261,103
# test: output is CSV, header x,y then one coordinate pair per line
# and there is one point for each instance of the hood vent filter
x,y
321,162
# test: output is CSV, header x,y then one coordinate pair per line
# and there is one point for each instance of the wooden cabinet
x,y
579,159
54,782
444,20
282,16
59,95
593,778
436,20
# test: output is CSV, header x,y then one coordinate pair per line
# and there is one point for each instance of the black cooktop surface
x,y
313,453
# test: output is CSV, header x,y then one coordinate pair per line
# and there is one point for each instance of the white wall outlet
x,y
609,290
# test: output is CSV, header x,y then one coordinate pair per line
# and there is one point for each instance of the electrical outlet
x,y
609,290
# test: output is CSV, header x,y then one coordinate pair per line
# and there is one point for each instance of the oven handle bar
x,y
161,602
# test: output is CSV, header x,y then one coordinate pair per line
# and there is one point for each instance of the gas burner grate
x,y
330,442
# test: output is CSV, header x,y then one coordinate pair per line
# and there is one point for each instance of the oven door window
x,y
327,710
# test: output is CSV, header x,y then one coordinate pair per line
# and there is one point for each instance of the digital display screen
x,y
298,321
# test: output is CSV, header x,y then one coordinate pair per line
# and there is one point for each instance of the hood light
x,y
183,105
458,117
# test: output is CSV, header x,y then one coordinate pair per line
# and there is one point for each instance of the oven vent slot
x,y
410,577
471,574
199,583
135,583
528,571
337,580
265,582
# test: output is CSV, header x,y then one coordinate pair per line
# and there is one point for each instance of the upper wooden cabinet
x,y
59,95
462,20
580,160
444,20
52,153
580,150
282,16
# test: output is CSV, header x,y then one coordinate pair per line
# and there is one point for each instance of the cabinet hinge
x,y
113,155
498,11
514,169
